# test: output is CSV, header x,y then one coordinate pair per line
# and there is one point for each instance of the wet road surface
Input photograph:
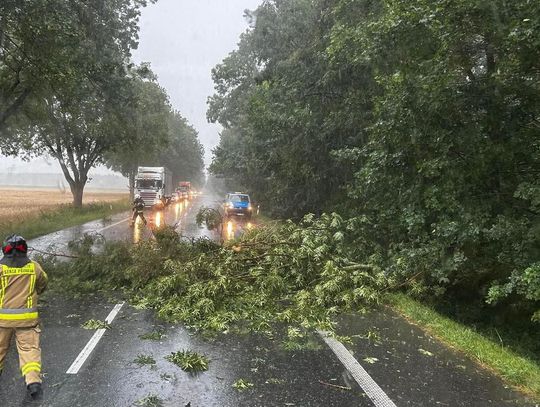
x,y
410,367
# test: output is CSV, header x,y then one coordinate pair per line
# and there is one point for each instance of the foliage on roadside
x,y
515,369
418,120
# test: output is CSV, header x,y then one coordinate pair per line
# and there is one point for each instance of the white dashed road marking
x,y
90,346
364,380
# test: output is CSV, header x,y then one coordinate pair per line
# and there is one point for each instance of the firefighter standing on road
x,y
21,281
138,208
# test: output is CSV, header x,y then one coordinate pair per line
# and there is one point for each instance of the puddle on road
x,y
234,228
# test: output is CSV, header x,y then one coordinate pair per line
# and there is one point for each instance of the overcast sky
x,y
183,40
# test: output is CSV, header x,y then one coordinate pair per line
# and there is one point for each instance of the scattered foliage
x,y
92,324
210,217
153,336
150,401
142,360
189,361
242,384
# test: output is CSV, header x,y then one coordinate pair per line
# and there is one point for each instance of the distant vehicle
x,y
239,204
184,190
154,185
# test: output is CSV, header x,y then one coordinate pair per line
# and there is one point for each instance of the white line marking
x,y
112,225
90,346
372,389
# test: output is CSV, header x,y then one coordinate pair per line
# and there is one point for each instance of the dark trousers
x,y
137,213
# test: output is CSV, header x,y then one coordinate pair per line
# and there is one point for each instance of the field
x,y
33,212
30,202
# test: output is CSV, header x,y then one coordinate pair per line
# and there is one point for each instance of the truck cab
x,y
154,185
184,190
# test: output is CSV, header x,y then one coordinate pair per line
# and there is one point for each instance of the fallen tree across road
x,y
296,274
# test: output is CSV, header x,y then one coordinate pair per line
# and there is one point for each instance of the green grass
x,y
62,217
516,370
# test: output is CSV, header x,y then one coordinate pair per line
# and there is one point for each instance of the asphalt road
x,y
402,366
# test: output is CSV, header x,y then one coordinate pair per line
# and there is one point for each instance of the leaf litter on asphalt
x,y
425,352
189,361
93,324
370,360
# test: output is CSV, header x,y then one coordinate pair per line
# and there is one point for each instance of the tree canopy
x,y
69,90
416,119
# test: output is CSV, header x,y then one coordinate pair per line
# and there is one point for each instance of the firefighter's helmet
x,y
14,244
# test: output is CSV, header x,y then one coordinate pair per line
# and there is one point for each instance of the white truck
x,y
154,185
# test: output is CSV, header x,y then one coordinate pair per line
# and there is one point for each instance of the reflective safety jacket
x,y
19,289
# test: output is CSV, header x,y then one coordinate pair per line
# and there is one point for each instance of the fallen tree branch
x,y
334,385
53,254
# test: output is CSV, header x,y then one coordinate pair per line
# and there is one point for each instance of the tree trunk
x,y
131,178
77,190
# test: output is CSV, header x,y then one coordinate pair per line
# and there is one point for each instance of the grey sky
x,y
183,40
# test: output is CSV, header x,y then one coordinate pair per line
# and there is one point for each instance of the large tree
x,y
76,113
147,127
184,154
272,99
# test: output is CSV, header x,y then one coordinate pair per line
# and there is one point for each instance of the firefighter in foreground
x,y
138,209
21,281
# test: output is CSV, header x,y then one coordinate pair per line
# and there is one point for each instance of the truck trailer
x,y
154,185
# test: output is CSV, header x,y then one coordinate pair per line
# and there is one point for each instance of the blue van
x,y
238,204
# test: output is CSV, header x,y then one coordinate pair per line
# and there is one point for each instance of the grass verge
x,y
61,217
514,369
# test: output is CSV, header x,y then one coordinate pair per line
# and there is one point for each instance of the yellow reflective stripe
x,y
31,367
17,317
30,300
3,292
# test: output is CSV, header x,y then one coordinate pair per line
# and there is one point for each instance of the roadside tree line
x,y
68,89
417,120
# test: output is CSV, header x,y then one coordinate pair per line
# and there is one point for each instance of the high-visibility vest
x,y
19,288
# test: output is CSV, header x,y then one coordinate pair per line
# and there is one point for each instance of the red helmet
x,y
13,244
